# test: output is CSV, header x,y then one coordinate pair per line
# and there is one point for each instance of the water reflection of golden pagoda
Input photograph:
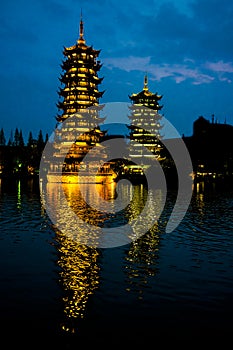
x,y
79,278
78,263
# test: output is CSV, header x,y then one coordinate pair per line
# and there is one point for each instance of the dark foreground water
x,y
175,287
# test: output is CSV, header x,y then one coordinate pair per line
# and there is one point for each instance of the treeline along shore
x,y
210,148
20,158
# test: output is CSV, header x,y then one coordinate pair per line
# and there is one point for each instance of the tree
x,y
30,140
2,138
46,138
21,141
16,138
10,141
40,141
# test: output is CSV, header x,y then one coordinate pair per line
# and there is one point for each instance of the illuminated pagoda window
x,y
78,105
145,125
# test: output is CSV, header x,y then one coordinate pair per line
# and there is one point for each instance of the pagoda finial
x,y
145,88
81,30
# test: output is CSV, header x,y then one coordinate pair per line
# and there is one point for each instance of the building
x,y
210,149
79,79
144,128
78,115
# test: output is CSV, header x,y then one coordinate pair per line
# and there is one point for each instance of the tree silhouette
x,y
21,141
40,141
16,138
10,141
30,140
2,138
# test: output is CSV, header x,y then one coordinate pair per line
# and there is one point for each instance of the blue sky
x,y
185,46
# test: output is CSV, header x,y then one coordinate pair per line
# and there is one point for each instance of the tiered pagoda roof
x,y
145,124
147,98
79,109
79,78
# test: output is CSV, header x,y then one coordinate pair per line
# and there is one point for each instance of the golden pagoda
x,y
78,118
79,78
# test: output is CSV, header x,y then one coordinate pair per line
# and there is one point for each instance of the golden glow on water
x,y
200,202
94,194
79,278
142,261
79,269
108,191
142,256
19,201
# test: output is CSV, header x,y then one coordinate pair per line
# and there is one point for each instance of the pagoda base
x,y
75,177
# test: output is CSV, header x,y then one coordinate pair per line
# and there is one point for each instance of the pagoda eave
x,y
79,49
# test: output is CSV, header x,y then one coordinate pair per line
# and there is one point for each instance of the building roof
x,y
145,93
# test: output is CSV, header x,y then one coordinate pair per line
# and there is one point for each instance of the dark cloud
x,y
170,35
214,19
185,46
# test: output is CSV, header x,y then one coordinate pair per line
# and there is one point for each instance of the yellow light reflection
x,y
79,269
79,278
142,260
19,201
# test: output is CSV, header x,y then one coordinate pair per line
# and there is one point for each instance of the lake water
x,y
176,286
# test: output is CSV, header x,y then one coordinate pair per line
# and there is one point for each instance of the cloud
x,y
128,64
220,66
165,31
178,72
222,69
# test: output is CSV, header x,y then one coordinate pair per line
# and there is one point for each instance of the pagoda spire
x,y
81,39
145,88
79,78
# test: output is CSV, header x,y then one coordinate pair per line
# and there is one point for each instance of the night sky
x,y
185,46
